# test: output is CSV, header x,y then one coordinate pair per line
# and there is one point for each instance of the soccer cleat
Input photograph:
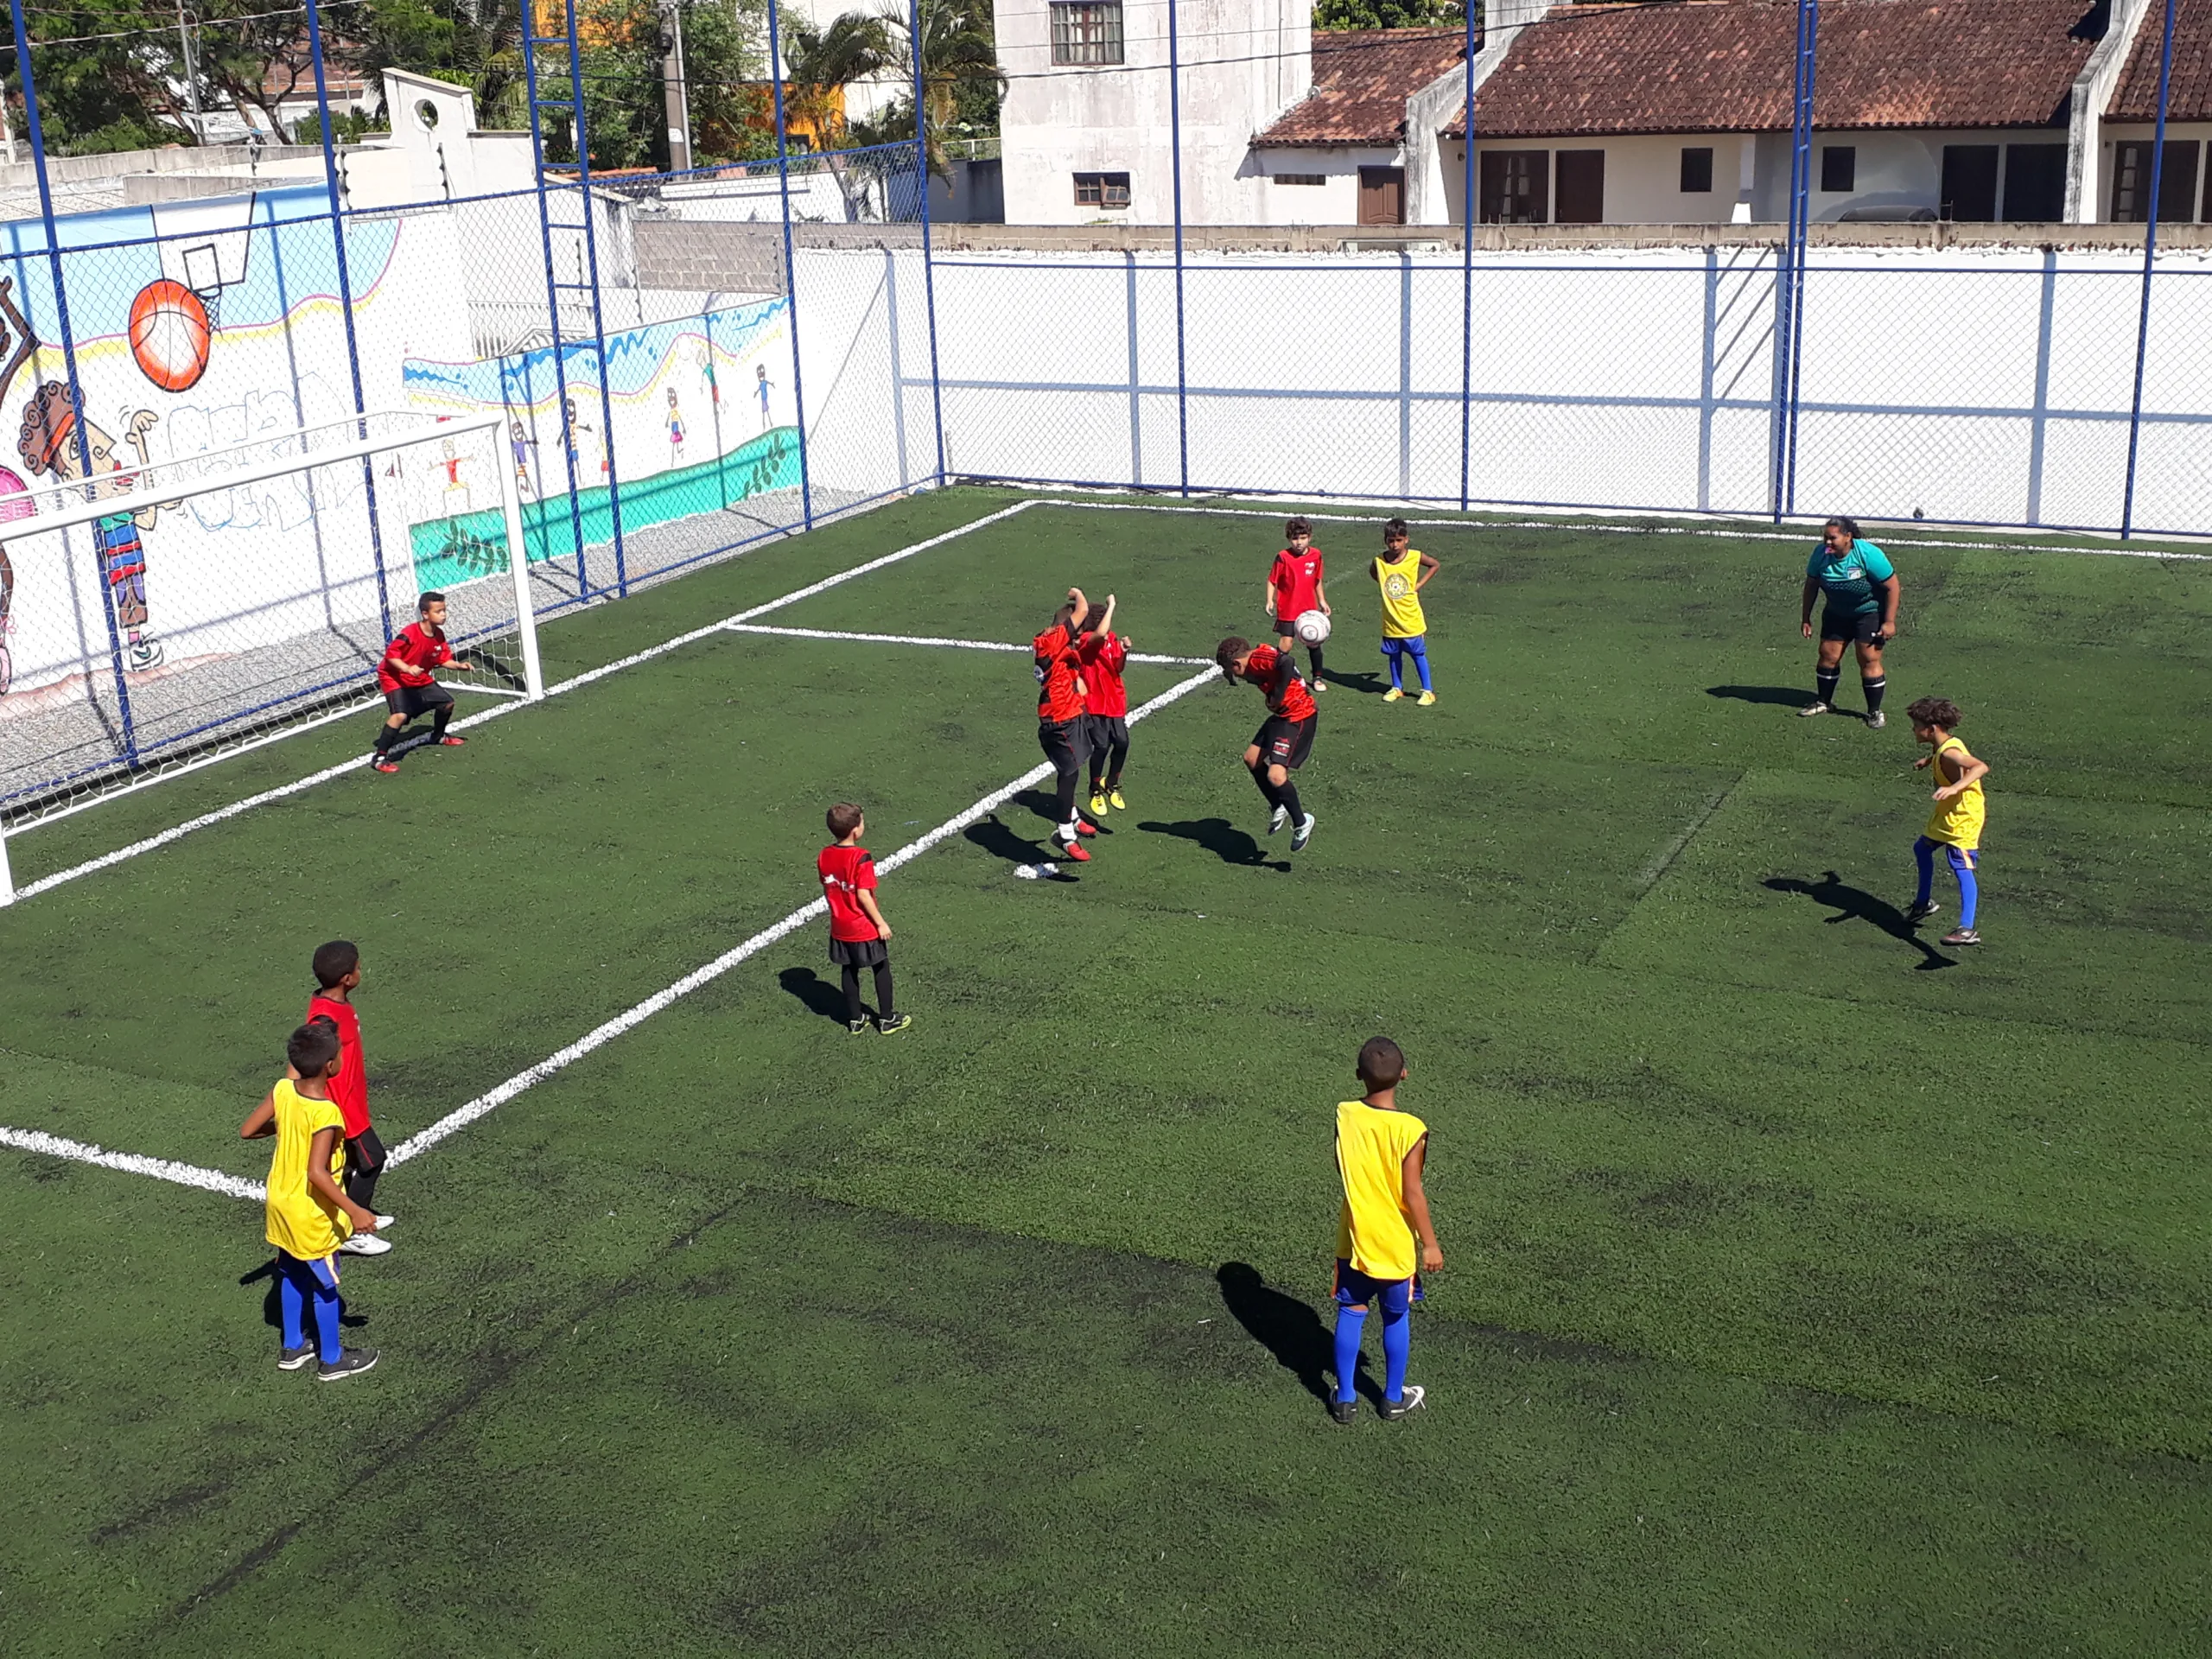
x,y
893,1025
1305,834
291,1359
1876,720
1817,705
1098,807
1074,850
1427,699
384,763
1319,684
450,741
857,1027
1114,798
1921,910
1281,816
1083,827
1391,1410
366,1245
1962,936
1343,1411
1393,694
351,1362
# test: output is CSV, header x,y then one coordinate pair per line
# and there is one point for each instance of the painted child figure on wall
x,y
51,444
675,429
760,376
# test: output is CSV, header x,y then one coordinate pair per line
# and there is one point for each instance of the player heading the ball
x,y
410,685
1060,727
1285,738
1105,654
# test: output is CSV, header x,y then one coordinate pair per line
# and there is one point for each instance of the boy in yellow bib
x,y
1956,824
308,1214
1380,1152
1402,572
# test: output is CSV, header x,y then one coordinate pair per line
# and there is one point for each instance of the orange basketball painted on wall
x,y
169,335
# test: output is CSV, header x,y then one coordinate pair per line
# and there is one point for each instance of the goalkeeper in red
x,y
1285,739
408,679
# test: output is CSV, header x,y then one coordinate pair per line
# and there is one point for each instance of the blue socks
x,y
1397,1342
1923,854
1417,650
291,1302
1350,1321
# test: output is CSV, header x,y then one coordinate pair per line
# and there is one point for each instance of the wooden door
x,y
1579,197
1381,195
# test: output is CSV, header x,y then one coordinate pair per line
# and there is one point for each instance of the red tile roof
x,y
2189,93
1361,79
1726,65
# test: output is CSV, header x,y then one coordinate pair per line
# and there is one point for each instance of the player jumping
x,y
1105,707
1059,719
1285,739
410,687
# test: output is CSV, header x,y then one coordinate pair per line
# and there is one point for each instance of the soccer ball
x,y
1313,626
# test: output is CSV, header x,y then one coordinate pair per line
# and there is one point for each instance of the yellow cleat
x,y
1119,804
1392,695
1426,698
1097,806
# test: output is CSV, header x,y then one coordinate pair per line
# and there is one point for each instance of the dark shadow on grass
x,y
817,993
1373,683
1219,836
272,1307
1774,695
1284,1326
1000,840
1856,905
1047,807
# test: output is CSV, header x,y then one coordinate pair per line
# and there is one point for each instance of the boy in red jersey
x,y
858,932
337,976
1059,719
1105,707
1285,739
410,686
1294,587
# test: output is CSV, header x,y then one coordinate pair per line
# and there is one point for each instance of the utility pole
x,y
192,78
672,87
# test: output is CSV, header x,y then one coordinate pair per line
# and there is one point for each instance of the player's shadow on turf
x,y
1856,903
1219,836
1284,1326
1000,841
1779,696
817,993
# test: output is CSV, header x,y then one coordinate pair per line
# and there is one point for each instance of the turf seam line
x,y
461,1116
931,639
177,832
132,1163
1651,875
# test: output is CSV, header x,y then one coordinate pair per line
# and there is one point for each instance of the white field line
x,y
927,640
1804,538
492,1100
161,1169
177,832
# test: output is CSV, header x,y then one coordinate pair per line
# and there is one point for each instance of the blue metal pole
x,y
553,294
1175,153
1785,332
2150,248
1809,62
597,322
37,135
345,301
791,267
929,278
1468,217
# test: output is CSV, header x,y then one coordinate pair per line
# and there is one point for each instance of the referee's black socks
x,y
1825,681
1873,689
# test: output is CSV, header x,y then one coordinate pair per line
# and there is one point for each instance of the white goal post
x,y
156,618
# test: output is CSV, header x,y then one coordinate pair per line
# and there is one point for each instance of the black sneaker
x,y
1343,1411
857,1027
1305,834
1919,913
351,1362
1392,1410
895,1025
291,1359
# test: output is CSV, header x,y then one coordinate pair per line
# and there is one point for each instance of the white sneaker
x,y
1281,817
1305,834
1319,684
384,1222
366,1245
1817,705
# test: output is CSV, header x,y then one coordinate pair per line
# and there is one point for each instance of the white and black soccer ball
x,y
1312,626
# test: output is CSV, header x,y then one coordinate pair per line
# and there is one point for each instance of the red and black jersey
x,y
846,873
350,1088
1296,578
1059,665
1276,672
408,660
1104,656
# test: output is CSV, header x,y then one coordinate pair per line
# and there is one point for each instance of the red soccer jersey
x,y
350,1088
408,660
1104,656
1276,675
1057,666
846,873
1296,579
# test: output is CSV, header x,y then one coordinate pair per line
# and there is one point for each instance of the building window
x,y
1087,31
2130,182
1517,186
1302,178
1968,192
1839,167
1102,189
2035,183
1697,171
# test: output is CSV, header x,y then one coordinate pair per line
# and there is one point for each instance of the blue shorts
x,y
310,1274
1356,1289
1417,646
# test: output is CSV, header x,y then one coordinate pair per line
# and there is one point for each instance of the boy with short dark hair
x,y
1295,587
307,1215
858,932
1104,655
1956,824
1285,738
1060,731
1380,1152
337,976
409,682
1402,572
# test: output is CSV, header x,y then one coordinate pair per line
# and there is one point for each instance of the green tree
x,y
1390,13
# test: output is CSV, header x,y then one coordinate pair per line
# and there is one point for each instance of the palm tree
x,y
958,51
819,64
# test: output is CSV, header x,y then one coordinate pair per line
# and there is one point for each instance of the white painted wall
x,y
1334,201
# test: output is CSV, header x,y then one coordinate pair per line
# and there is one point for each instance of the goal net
x,y
156,613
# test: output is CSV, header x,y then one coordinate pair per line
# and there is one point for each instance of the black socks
x,y
1287,794
1873,689
1313,656
1825,681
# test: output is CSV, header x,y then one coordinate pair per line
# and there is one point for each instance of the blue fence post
x,y
346,301
1405,375
1468,217
929,278
538,107
1175,160
36,133
2150,248
1708,346
790,265
1808,25
1136,385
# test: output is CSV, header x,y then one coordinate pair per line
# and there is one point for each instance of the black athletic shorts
x,y
1063,741
859,953
1285,742
1861,628
1103,734
413,700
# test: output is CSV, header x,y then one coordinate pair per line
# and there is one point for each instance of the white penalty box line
x,y
934,640
215,1180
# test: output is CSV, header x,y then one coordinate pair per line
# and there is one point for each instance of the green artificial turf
x,y
1810,1288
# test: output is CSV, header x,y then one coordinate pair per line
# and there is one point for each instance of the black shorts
x,y
1863,627
859,953
1285,742
413,700
1105,734
1063,741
